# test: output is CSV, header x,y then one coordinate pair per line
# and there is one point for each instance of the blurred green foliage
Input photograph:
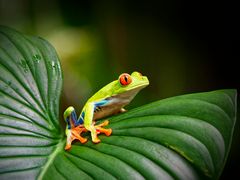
x,y
182,47
97,41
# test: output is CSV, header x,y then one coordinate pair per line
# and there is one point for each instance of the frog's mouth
x,y
131,93
141,85
138,87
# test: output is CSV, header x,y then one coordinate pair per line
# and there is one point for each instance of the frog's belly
x,y
105,111
116,103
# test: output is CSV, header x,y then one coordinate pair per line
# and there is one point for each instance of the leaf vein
x,y
14,75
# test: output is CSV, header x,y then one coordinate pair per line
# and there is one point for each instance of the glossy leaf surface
x,y
183,137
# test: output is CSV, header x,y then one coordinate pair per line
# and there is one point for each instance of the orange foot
x,y
75,133
99,128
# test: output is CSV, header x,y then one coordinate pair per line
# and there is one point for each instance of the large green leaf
x,y
184,137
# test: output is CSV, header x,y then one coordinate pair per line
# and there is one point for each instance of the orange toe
x,y
68,146
83,140
108,132
96,140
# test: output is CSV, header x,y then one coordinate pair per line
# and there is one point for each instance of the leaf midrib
x,y
51,158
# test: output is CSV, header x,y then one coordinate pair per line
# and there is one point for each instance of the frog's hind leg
x,y
69,140
74,127
100,128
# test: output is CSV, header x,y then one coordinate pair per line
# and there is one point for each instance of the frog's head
x,y
130,83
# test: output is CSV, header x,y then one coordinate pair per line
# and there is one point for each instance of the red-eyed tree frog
x,y
107,101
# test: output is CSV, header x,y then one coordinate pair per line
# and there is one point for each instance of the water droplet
x,y
9,83
5,88
53,64
37,58
24,65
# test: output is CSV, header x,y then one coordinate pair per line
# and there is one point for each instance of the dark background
x,y
183,47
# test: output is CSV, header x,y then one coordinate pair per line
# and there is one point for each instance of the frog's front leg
x,y
88,121
89,124
99,128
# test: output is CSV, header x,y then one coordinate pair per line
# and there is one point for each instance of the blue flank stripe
x,y
68,123
74,117
81,118
101,103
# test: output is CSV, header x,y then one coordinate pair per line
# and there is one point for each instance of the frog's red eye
x,y
125,79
